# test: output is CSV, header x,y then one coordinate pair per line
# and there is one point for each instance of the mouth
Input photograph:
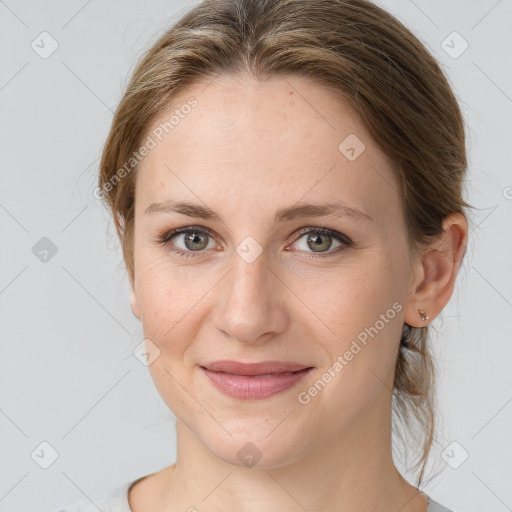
x,y
263,368
254,381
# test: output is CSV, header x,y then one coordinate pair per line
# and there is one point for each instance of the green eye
x,y
194,239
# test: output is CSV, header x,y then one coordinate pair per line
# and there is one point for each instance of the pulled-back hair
x,y
375,65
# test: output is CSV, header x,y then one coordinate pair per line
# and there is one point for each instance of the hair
x,y
375,65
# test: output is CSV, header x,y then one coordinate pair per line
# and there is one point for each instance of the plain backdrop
x,y
72,395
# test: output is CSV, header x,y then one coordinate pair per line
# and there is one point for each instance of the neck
x,y
352,470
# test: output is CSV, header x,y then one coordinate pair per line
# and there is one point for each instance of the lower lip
x,y
254,387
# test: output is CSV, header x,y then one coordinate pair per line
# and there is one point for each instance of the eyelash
x,y
343,239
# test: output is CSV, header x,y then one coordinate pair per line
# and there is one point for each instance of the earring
x,y
423,315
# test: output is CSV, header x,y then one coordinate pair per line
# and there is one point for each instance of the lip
x,y
254,381
265,367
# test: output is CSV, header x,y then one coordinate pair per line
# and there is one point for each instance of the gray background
x,y
67,372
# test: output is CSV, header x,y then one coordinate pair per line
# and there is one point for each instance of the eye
x,y
194,239
185,241
321,241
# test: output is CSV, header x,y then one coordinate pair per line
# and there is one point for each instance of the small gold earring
x,y
423,315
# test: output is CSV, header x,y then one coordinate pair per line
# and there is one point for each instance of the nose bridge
x,y
249,279
249,306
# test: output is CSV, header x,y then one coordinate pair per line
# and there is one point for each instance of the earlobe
x,y
439,267
133,303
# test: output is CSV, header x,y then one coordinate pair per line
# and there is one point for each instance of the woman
x,y
285,179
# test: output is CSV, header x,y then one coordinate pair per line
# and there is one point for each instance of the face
x,y
254,275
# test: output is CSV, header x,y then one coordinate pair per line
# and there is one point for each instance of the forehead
x,y
283,139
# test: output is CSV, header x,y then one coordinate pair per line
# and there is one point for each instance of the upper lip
x,y
265,367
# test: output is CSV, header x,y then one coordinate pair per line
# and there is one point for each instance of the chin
x,y
255,443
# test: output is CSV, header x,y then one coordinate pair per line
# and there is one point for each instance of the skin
x,y
237,154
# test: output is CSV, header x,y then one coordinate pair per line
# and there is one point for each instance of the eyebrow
x,y
338,209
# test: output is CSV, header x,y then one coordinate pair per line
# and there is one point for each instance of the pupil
x,y
315,242
194,238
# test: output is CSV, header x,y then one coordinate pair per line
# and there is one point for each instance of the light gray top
x,y
117,501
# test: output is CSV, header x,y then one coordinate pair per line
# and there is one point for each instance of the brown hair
x,y
374,63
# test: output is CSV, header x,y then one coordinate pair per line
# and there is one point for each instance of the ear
x,y
133,297
133,302
436,271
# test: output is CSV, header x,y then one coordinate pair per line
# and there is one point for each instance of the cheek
x,y
161,300
353,297
336,304
171,298
364,311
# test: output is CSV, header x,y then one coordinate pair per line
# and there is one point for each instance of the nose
x,y
251,307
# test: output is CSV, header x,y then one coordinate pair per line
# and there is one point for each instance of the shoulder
x,y
433,506
116,500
